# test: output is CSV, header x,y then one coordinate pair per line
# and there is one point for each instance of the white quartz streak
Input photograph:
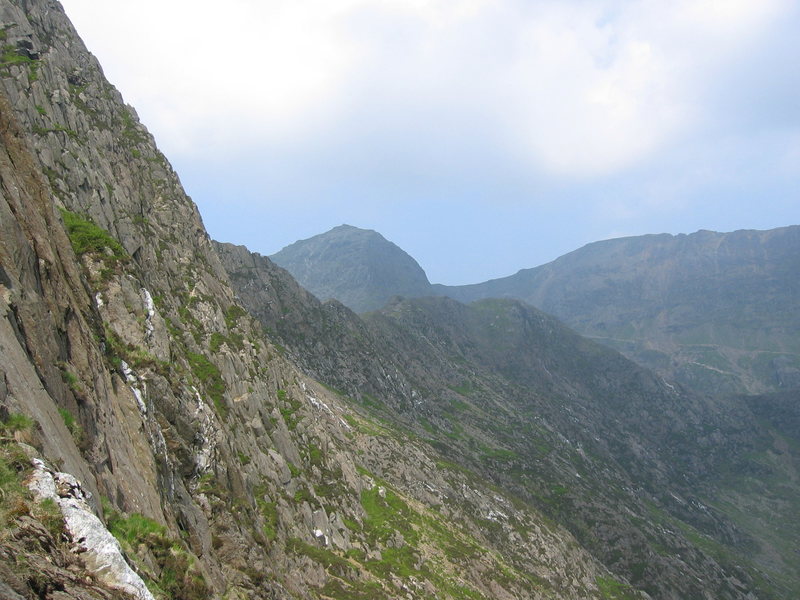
x,y
100,550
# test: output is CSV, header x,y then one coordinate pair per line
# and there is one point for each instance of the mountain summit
x,y
358,267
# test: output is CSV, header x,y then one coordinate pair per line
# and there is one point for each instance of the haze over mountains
x,y
180,419
715,311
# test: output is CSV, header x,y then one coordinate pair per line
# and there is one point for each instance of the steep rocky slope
x,y
624,460
358,267
715,311
138,397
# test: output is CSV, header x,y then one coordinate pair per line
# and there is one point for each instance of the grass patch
x,y
397,561
88,238
216,341
176,575
497,454
72,425
268,511
315,456
209,376
353,590
136,357
14,468
233,314
16,422
234,340
387,513
71,379
288,409
11,56
611,589
322,556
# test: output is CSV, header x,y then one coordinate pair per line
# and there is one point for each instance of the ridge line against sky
x,y
481,137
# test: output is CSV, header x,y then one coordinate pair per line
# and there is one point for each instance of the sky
x,y
481,136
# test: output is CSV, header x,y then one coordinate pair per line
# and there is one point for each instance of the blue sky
x,y
480,136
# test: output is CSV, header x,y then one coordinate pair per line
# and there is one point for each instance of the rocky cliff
x,y
139,398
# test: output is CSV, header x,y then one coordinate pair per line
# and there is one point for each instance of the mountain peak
x,y
358,267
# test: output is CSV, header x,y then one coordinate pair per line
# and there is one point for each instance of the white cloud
x,y
574,88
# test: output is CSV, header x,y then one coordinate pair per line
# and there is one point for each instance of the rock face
x,y
358,267
714,311
102,552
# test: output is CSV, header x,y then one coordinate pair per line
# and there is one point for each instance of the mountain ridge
x,y
713,311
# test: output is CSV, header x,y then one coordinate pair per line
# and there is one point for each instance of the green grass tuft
x,y
72,426
211,379
176,575
85,236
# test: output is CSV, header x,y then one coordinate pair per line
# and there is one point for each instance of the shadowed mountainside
x,y
719,312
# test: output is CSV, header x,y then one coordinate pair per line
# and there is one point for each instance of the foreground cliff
x,y
138,397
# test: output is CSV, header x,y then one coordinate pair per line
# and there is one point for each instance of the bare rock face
x,y
102,553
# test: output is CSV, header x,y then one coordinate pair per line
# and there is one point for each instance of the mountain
x,y
715,311
155,442
631,466
180,419
358,267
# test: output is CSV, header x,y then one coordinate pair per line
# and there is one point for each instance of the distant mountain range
x,y
713,311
